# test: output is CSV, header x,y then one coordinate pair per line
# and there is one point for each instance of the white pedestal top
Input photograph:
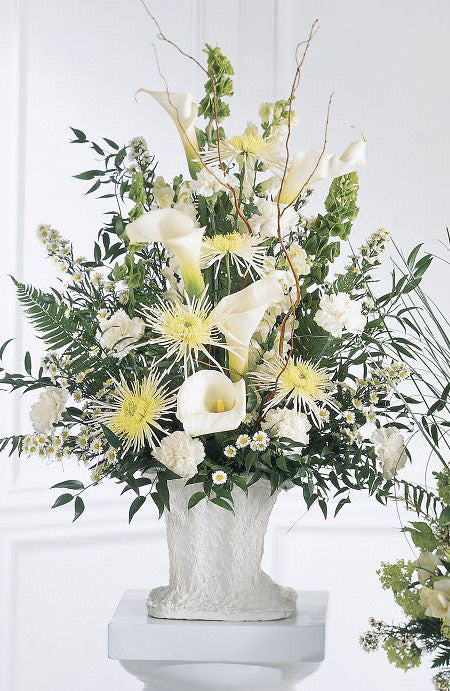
x,y
133,635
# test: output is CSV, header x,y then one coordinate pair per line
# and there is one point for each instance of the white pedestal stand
x,y
167,655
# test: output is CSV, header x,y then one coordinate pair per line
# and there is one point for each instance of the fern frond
x,y
47,315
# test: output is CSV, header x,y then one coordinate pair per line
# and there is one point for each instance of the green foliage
x,y
342,210
398,578
47,315
402,655
218,86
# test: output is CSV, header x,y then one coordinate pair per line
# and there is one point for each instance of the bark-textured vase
x,y
215,560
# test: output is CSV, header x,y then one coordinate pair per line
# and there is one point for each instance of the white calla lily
x,y
177,231
208,401
308,167
238,315
183,111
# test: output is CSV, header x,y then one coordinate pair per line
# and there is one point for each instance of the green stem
x,y
227,263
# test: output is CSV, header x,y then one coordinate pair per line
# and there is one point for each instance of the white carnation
x,y
285,422
339,312
47,410
180,453
390,450
119,333
206,184
266,223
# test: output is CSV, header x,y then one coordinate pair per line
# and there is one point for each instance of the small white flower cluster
x,y
49,446
57,247
389,376
138,151
258,442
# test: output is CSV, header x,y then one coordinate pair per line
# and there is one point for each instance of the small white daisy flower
x,y
261,438
219,477
230,451
357,403
373,398
96,446
324,414
349,417
242,441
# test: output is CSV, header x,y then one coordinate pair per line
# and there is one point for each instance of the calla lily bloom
x,y
183,111
239,314
175,230
208,401
306,169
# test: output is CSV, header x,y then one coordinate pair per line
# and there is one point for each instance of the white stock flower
x,y
183,111
436,600
266,223
47,410
176,230
309,166
120,333
180,453
287,422
426,566
339,312
390,450
209,402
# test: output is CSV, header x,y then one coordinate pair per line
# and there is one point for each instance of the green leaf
x,y
111,438
119,157
4,346
251,400
81,137
110,143
240,482
68,484
89,174
412,257
444,518
136,504
27,363
62,499
79,508
222,503
341,505
198,496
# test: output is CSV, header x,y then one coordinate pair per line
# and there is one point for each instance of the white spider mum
x,y
243,250
185,330
248,148
305,384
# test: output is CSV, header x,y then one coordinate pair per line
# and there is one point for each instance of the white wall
x,y
79,63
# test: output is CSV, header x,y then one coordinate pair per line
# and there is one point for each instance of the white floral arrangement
x,y
207,337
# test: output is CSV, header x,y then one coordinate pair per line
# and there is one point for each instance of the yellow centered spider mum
x,y
185,330
136,410
300,382
245,252
248,147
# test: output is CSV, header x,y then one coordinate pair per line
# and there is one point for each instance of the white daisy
x,y
219,477
242,441
230,451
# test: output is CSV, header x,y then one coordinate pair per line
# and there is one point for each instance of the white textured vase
x,y
215,560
